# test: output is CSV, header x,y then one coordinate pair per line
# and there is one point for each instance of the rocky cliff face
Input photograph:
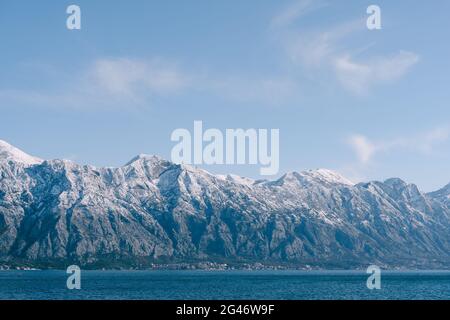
x,y
151,210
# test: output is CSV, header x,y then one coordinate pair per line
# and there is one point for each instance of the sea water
x,y
277,285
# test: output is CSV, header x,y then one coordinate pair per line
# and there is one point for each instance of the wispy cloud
x,y
105,83
324,55
318,48
369,152
127,83
328,51
127,77
365,149
359,77
294,11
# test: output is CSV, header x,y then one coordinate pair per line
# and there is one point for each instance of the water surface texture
x,y
279,285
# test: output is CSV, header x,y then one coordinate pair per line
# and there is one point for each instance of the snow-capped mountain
x,y
8,152
152,210
442,195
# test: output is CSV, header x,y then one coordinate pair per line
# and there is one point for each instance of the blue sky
x,y
369,104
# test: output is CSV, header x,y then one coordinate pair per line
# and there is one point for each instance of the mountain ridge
x,y
9,152
154,211
320,173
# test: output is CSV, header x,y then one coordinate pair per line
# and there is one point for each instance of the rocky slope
x,y
154,211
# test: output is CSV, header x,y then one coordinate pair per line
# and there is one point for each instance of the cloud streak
x,y
317,55
106,83
363,148
124,76
359,77
294,11
327,51
366,149
127,83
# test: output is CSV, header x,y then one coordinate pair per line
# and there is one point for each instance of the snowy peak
x,y
444,191
145,157
153,210
442,195
149,166
318,177
396,183
11,153
236,179
329,176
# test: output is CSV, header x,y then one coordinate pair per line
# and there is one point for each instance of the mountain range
x,y
151,211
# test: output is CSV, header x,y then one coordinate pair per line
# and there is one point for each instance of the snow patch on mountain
x,y
329,176
11,153
152,210
236,179
442,195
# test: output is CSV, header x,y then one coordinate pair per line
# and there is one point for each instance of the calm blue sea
x,y
224,285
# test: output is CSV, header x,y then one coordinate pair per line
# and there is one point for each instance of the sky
x,y
370,104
